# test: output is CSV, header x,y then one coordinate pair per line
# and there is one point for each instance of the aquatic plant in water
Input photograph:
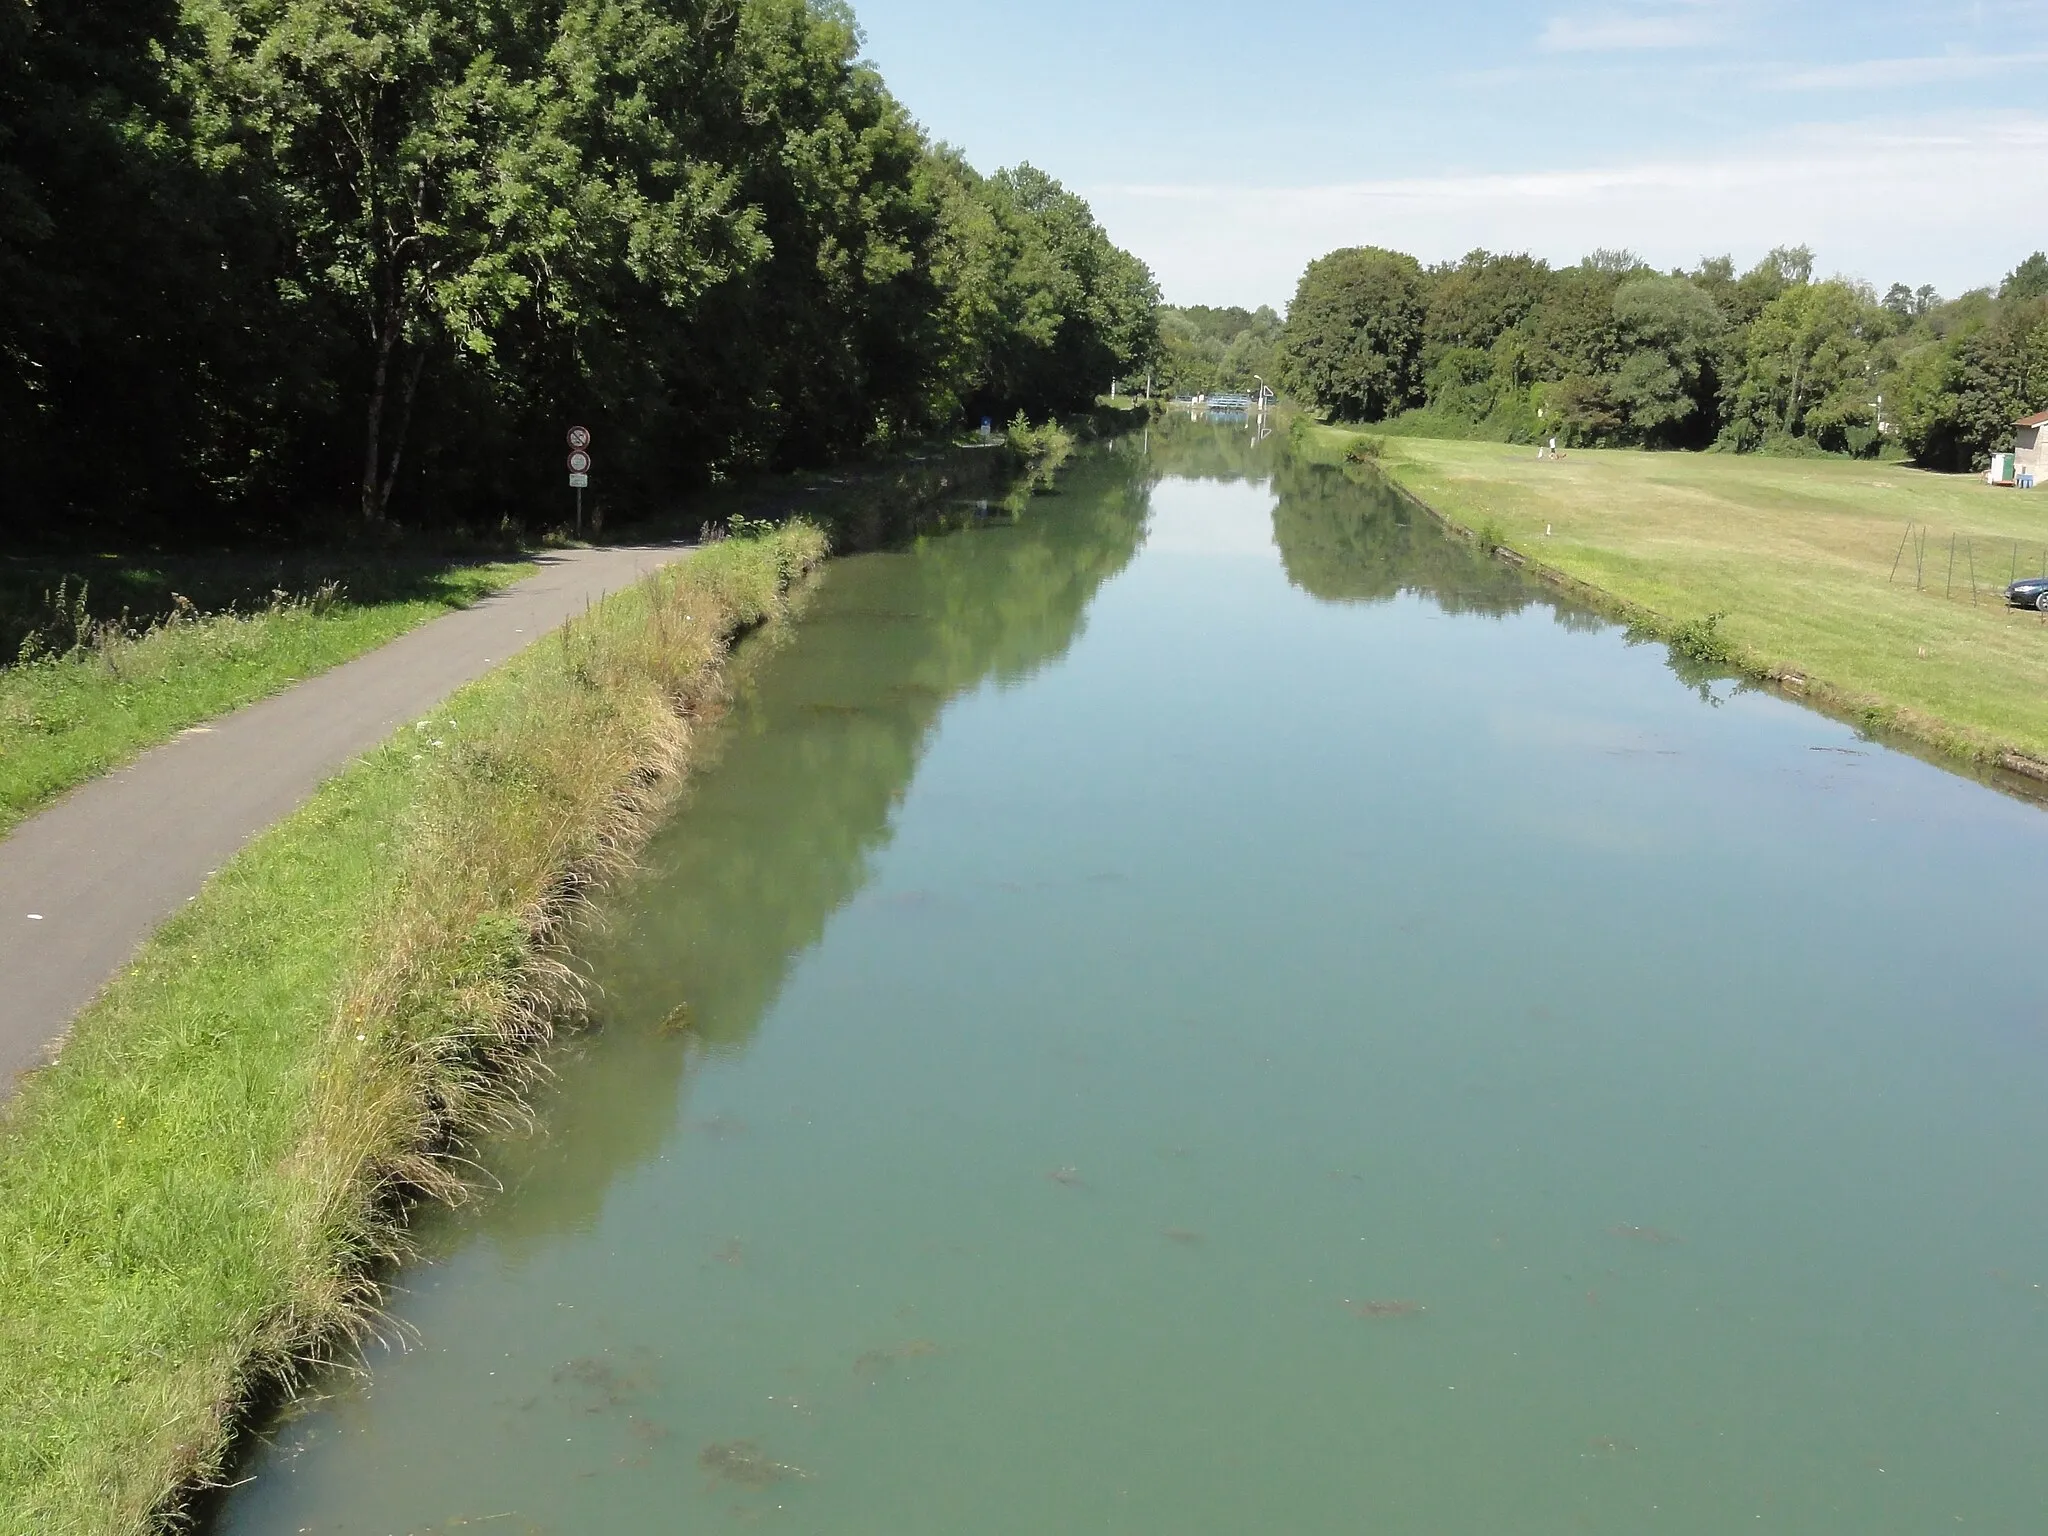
x,y
744,1462
873,1362
1394,1308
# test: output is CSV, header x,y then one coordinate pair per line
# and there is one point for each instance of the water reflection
x,y
1346,535
826,731
1343,1045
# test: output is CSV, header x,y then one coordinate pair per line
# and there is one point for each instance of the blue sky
x,y
1229,144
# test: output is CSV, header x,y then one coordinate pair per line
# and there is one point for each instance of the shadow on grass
x,y
39,592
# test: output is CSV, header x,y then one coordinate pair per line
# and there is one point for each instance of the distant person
x,y
1553,447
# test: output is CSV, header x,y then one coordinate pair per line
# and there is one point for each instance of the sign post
x,y
579,469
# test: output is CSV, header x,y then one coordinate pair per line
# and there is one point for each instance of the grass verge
x,y
193,1197
1780,568
103,692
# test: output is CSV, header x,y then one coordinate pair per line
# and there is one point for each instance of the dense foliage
x,y
1611,351
1353,342
1204,350
278,266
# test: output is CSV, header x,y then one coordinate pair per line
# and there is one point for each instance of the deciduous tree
x,y
1668,331
1353,341
1806,367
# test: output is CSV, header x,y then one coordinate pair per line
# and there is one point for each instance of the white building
x,y
2030,446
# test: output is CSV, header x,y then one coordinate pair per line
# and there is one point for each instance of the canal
x,y
1210,1008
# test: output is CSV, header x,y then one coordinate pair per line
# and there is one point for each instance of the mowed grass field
x,y
1798,554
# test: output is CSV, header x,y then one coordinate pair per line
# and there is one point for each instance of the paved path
x,y
102,867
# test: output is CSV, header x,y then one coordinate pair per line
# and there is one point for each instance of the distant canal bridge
x,y
1233,401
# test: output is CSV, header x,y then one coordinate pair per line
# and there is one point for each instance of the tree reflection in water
x,y
830,718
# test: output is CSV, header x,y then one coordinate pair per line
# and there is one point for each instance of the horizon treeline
x,y
281,268
1612,351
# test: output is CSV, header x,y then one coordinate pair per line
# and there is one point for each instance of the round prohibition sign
x,y
579,437
579,463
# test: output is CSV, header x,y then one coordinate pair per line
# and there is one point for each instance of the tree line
x,y
277,268
1613,351
1206,349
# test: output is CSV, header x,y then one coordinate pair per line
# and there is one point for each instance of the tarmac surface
x,y
83,883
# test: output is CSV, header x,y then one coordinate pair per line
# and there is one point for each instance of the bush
x,y
1044,449
1701,641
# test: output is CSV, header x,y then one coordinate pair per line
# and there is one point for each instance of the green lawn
x,y
1797,553
65,719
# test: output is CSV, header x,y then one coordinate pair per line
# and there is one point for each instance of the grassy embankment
x,y
190,1198
195,1197
1795,554
101,690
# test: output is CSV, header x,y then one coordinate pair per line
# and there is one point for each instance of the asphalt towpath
x,y
83,883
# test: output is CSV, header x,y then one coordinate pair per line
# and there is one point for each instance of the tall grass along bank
x,y
194,1196
1783,569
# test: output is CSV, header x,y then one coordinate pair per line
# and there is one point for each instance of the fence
x,y
1958,560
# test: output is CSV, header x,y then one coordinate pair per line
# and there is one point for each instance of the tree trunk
x,y
398,434
387,339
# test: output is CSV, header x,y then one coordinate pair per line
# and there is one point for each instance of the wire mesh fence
x,y
1957,565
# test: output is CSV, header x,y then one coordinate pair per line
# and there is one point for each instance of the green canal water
x,y
1210,1009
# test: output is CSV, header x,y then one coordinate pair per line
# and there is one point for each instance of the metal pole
x,y
1970,547
579,511
1902,550
1949,588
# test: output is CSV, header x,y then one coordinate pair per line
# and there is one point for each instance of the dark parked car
x,y
2029,592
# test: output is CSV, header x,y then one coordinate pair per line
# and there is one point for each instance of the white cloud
x,y
1617,31
1884,74
1200,517
1928,201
